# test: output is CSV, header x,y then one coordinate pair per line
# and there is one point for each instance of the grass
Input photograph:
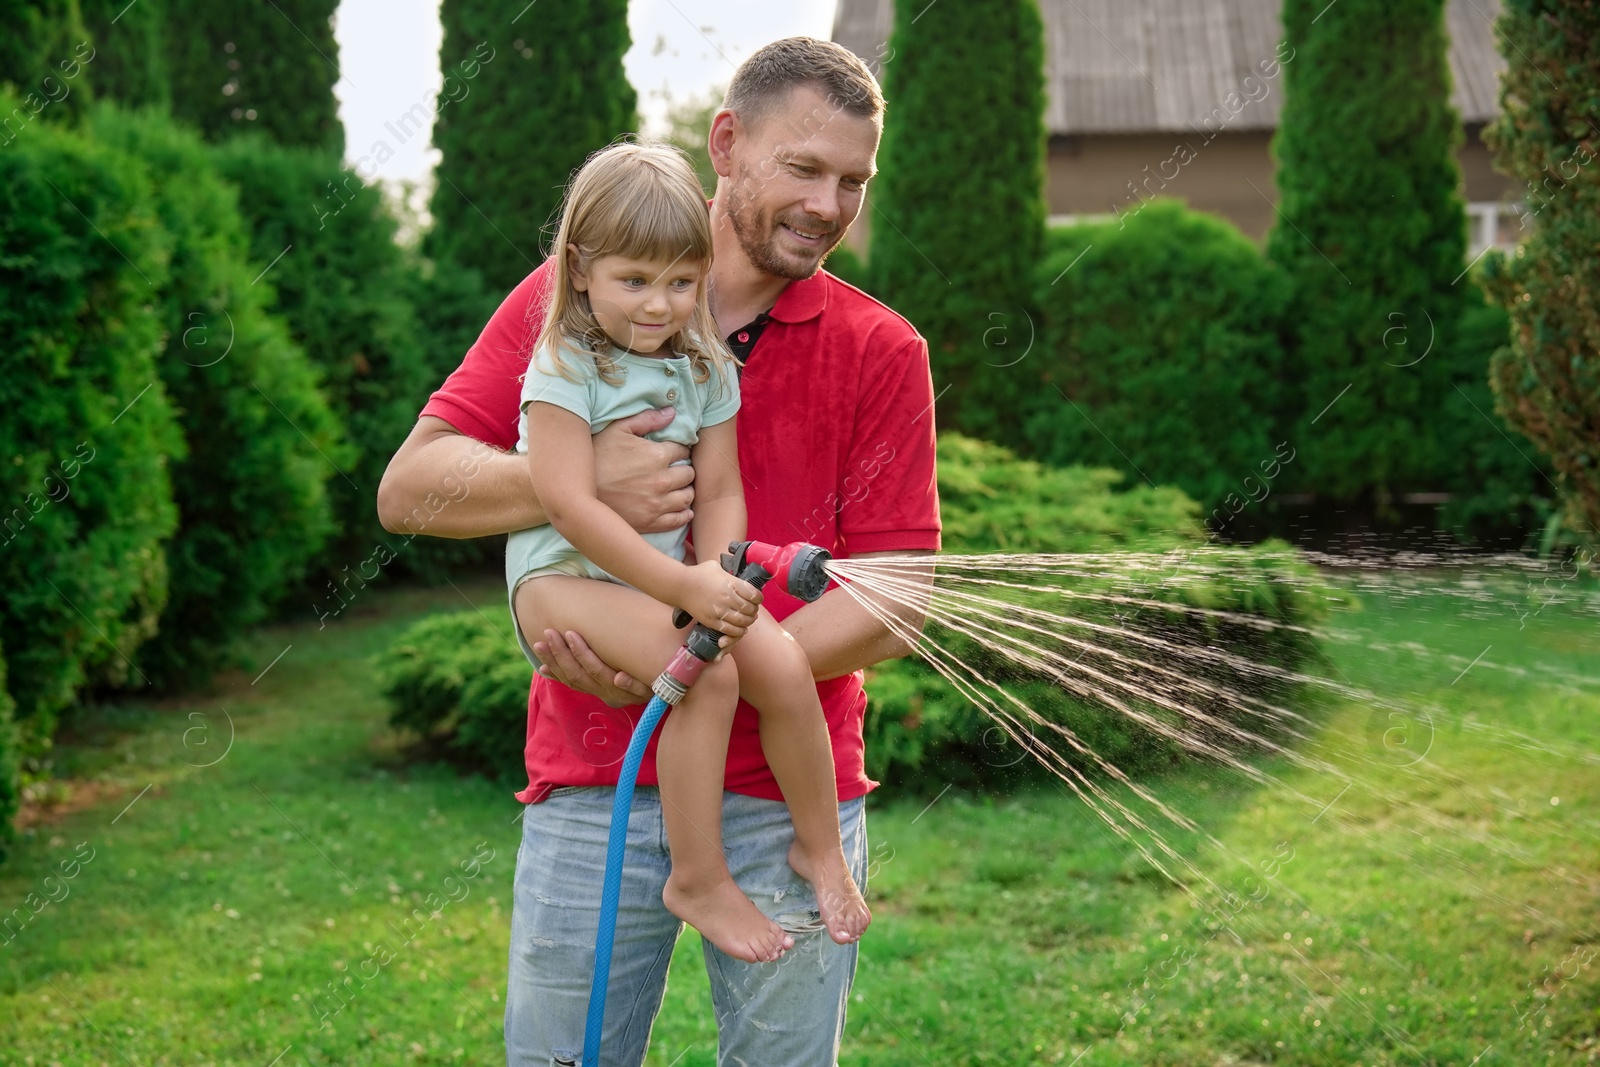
x,y
1441,910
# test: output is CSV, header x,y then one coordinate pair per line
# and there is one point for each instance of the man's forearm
x,y
444,484
840,635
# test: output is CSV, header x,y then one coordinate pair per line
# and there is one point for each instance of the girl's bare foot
x,y
726,917
844,910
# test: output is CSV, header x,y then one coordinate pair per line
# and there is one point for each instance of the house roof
x,y
1150,66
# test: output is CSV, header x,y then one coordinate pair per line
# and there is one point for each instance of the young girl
x,y
629,328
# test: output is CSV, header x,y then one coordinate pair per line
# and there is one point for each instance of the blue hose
x,y
703,645
612,890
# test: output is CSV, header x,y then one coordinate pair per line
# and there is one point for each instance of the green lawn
x,y
1433,912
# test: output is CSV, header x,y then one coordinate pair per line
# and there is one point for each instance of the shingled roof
x,y
1151,66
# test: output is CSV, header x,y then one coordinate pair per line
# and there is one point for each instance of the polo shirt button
x,y
672,394
743,337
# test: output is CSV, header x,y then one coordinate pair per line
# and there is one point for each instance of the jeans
x,y
784,1014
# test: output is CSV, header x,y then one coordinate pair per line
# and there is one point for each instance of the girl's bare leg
x,y
775,676
634,633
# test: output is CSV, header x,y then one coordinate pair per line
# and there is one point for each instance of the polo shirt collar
x,y
803,299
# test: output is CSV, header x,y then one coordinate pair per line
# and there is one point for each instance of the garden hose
x,y
801,567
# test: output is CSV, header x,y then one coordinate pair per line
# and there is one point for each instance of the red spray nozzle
x,y
797,567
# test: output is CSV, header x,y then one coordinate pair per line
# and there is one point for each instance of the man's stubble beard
x,y
758,241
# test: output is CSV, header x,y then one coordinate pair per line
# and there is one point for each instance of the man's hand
x,y
635,477
568,660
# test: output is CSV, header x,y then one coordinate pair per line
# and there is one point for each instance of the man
x,y
836,446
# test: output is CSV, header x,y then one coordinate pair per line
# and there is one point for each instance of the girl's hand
x,y
718,599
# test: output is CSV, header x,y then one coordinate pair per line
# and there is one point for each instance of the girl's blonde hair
x,y
640,201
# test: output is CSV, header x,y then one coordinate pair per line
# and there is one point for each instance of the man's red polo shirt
x,y
836,446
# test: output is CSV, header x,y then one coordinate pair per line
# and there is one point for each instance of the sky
x,y
389,61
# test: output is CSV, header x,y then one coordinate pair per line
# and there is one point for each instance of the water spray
x,y
802,570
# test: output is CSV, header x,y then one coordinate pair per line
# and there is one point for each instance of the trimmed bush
x,y
526,118
262,66
1162,334
347,291
85,488
1547,380
991,501
460,679
251,493
958,212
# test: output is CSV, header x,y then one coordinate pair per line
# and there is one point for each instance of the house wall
x,y
1105,174
1231,175
1109,174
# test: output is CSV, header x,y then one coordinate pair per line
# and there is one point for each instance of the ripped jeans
x,y
784,1014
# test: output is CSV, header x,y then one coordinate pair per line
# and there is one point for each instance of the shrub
x,y
1547,381
460,679
1164,339
517,124
88,428
347,292
991,501
923,733
251,492
960,204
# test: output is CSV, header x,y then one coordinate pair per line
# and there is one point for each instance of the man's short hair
x,y
764,81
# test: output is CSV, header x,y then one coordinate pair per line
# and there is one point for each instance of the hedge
x,y
88,428
251,493
1159,350
460,677
351,298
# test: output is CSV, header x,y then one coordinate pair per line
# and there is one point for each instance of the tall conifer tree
x,y
256,64
957,216
1372,232
535,98
1547,383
